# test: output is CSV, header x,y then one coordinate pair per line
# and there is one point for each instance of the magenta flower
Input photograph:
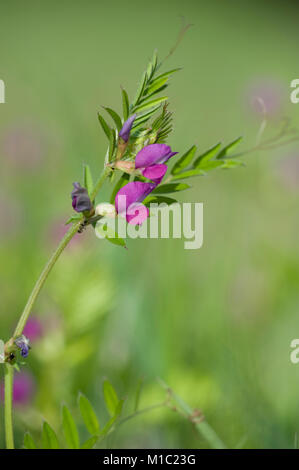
x,y
124,133
128,201
23,389
151,161
33,329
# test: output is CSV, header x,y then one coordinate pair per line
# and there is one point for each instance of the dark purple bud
x,y
22,342
124,133
80,199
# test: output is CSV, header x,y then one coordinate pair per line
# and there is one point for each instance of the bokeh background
x,y
216,323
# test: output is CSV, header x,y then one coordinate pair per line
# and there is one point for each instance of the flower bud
x,y
22,342
126,166
106,210
124,133
123,136
80,199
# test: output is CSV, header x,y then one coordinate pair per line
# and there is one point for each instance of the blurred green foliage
x,y
215,324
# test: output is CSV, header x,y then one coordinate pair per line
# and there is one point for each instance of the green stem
x,y
100,182
41,280
201,426
8,388
8,381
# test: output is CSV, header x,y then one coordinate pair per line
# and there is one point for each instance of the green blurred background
x,y
216,323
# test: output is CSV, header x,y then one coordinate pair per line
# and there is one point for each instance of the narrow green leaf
x,y
88,182
110,397
207,155
184,161
167,74
188,174
150,104
124,179
223,153
125,101
49,438
90,443
140,89
70,429
170,188
209,165
112,144
156,85
103,230
105,126
117,241
112,420
116,118
155,60
89,417
231,164
145,116
158,200
152,65
29,442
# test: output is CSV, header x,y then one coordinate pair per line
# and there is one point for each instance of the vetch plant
x,y
135,166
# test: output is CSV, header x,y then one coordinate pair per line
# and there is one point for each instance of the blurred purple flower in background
x,y
265,96
23,147
57,230
23,389
33,329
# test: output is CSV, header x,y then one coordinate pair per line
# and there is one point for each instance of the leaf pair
x,y
49,439
212,158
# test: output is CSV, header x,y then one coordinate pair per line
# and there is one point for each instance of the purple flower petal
x,y
132,193
25,351
124,133
137,213
22,342
155,172
153,154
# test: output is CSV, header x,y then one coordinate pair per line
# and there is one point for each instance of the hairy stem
x,y
8,388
